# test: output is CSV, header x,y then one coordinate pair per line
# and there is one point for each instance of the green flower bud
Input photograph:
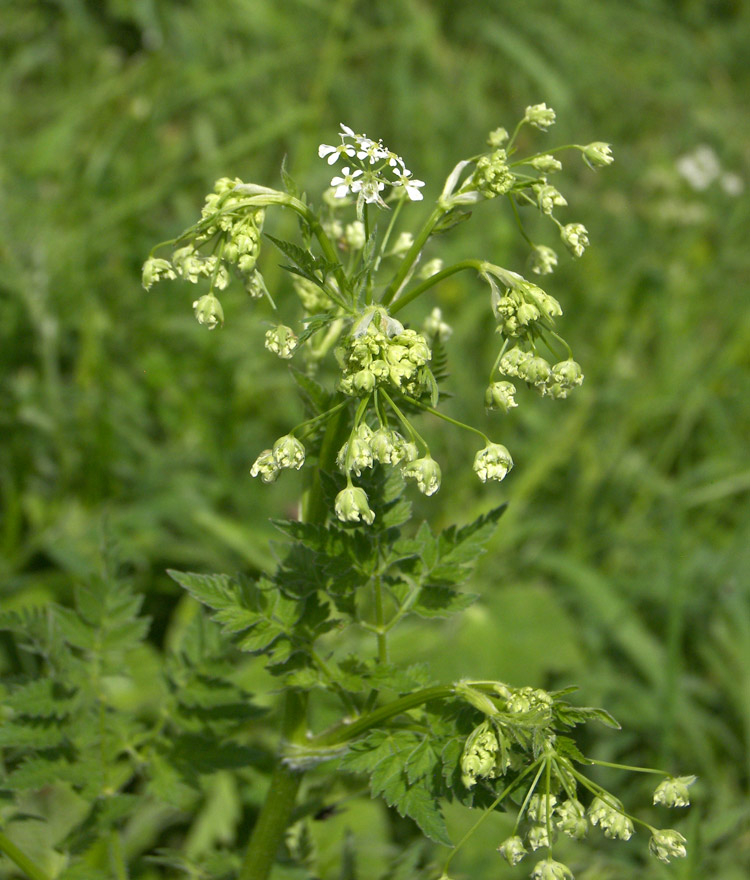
x,y
538,805
610,816
266,467
527,314
394,353
673,792
497,138
282,341
189,264
540,116
598,154
492,176
478,758
667,844
575,237
355,235
537,837
154,269
567,373
547,305
512,850
288,452
333,229
255,285
246,262
549,869
355,455
548,197
380,370
536,371
543,260
387,446
501,396
420,353
492,463
570,818
527,699
514,361
364,381
430,268
546,164
351,506
426,471
435,328
208,311
409,451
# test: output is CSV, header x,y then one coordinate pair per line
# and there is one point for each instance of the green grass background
x,y
622,564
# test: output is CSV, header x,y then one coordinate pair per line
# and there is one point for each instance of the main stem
x,y
32,870
274,816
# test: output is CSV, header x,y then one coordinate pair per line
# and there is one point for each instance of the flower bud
x,y
403,243
478,758
610,816
538,805
434,326
208,311
570,818
355,235
430,268
281,340
154,269
246,263
549,869
351,505
513,361
492,176
527,314
536,371
673,792
512,850
543,260
497,138
266,467
540,116
255,285
575,237
364,381
387,446
492,463
546,164
426,471
537,837
667,844
568,373
355,455
598,154
501,396
288,452
548,197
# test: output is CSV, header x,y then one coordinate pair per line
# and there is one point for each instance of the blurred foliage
x,y
622,562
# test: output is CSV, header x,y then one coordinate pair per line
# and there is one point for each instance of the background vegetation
x,y
622,564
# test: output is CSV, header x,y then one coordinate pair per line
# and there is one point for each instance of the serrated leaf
x,y
439,601
315,395
572,715
42,698
37,734
421,762
568,747
420,806
217,591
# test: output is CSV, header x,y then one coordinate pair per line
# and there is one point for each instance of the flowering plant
x,y
351,565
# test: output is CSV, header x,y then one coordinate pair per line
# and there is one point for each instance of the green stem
x,y
411,255
116,857
445,418
32,871
380,622
432,281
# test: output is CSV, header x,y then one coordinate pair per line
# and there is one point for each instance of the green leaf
x,y
439,601
572,715
568,747
421,762
217,591
317,398
41,698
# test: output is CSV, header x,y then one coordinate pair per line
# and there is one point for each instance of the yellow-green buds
x,y
548,197
435,327
255,286
351,505
389,447
492,463
512,850
543,260
356,453
266,467
610,816
426,472
492,176
497,138
354,235
570,818
154,269
546,164
513,361
208,311
598,154
479,754
281,340
520,701
575,236
564,376
673,792
537,837
540,116
536,371
288,452
538,806
667,844
549,869
500,396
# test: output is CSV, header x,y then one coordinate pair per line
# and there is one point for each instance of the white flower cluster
x,y
379,168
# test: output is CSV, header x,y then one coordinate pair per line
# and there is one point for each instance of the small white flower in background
x,y
288,452
208,311
673,792
434,326
282,341
354,235
430,268
347,183
732,184
512,850
351,506
426,472
266,467
492,463
404,241
411,186
549,869
540,116
543,260
667,844
699,168
575,236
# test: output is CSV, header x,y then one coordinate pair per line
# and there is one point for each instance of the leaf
x,y
290,184
217,591
421,762
439,601
314,394
568,747
418,805
572,715
41,698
